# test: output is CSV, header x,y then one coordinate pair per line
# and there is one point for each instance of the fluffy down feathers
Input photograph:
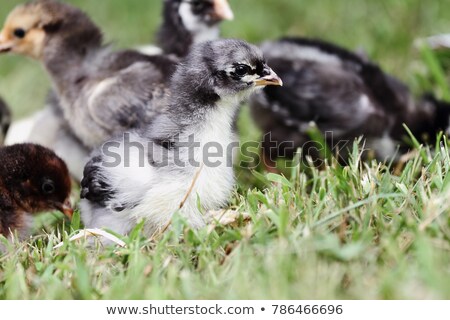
x,y
151,174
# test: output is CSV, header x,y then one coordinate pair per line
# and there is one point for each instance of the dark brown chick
x,y
32,180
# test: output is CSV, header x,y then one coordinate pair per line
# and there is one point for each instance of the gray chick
x,y
101,92
153,173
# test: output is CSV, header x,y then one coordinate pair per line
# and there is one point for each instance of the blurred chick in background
x,y
185,22
5,120
32,180
342,93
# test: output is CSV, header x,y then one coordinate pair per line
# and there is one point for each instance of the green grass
x,y
355,232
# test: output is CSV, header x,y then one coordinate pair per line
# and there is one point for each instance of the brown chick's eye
x,y
48,187
19,33
242,69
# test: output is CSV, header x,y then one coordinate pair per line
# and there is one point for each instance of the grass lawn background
x,y
353,232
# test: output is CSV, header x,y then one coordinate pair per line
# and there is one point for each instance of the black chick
x,y
32,180
189,22
151,174
5,120
342,93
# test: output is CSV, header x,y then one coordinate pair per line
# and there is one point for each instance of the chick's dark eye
x,y
242,69
48,187
19,33
198,5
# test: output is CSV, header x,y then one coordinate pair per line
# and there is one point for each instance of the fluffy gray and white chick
x,y
101,92
152,174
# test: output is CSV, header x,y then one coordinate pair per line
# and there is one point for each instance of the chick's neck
x,y
67,54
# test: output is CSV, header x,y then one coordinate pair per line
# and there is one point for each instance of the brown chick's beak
x,y
65,208
222,10
271,80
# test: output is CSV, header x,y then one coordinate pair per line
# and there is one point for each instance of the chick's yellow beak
x,y
270,80
66,208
